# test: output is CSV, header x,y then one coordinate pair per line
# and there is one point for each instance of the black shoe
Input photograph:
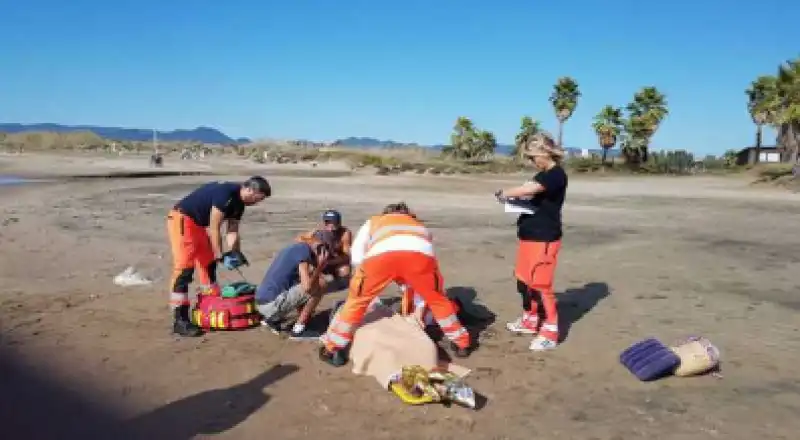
x,y
460,352
305,335
272,326
183,326
336,358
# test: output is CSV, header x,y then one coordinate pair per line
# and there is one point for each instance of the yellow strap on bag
x,y
408,398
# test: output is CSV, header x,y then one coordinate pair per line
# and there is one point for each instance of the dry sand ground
x,y
642,257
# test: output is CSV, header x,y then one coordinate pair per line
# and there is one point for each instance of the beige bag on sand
x,y
697,356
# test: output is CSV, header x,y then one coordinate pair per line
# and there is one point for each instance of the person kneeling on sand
x,y
293,280
338,270
398,249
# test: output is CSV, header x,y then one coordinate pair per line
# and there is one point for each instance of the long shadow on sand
x,y
574,304
209,412
35,406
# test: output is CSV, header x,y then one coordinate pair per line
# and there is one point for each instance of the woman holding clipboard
x,y
539,230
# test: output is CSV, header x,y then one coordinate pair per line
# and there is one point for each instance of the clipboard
x,y
518,206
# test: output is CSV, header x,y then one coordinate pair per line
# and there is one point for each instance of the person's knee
x,y
183,280
268,311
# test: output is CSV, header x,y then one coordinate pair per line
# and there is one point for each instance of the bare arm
x,y
347,242
309,278
215,232
527,189
232,237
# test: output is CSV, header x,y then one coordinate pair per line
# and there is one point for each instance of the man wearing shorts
x,y
292,281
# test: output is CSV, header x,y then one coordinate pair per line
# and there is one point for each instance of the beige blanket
x,y
386,342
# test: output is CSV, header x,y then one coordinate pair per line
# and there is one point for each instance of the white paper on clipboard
x,y
517,206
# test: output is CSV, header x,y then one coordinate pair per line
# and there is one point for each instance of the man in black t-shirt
x,y
207,207
539,236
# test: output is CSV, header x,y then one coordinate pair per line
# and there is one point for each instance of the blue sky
x,y
405,71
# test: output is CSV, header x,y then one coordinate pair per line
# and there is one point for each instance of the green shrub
x,y
583,164
774,171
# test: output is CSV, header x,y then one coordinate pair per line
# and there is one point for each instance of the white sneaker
x,y
540,343
523,326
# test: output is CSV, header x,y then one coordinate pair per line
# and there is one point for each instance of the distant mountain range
x,y
200,134
213,136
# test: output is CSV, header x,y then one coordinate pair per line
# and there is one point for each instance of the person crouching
x,y
293,281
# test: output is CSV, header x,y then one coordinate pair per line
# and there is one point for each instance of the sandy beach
x,y
642,256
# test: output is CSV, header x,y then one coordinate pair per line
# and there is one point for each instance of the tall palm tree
x,y
645,115
528,128
608,126
759,96
786,107
564,99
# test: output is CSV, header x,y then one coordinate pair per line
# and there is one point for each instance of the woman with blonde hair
x,y
539,236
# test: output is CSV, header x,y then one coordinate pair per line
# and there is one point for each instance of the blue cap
x,y
332,216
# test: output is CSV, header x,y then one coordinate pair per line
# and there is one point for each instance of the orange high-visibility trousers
x,y
416,270
536,268
191,248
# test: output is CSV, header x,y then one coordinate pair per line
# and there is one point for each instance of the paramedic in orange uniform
x,y
539,236
393,247
193,247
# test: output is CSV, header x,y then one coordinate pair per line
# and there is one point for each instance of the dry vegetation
x,y
384,161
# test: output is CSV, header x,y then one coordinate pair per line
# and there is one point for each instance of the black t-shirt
x,y
222,195
545,223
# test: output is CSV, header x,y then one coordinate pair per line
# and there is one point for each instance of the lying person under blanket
x,y
389,346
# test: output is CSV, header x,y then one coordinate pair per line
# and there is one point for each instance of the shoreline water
x,y
7,180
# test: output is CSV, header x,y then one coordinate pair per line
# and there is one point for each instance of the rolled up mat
x,y
698,355
649,359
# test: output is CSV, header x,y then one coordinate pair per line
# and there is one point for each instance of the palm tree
x,y
775,100
486,145
462,138
528,128
786,108
645,114
761,91
564,99
608,126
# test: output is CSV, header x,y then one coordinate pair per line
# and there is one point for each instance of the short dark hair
x,y
397,208
326,239
258,183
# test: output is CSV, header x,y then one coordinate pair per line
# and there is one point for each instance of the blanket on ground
x,y
386,342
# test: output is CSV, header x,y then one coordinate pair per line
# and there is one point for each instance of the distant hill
x,y
213,136
200,134
368,142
